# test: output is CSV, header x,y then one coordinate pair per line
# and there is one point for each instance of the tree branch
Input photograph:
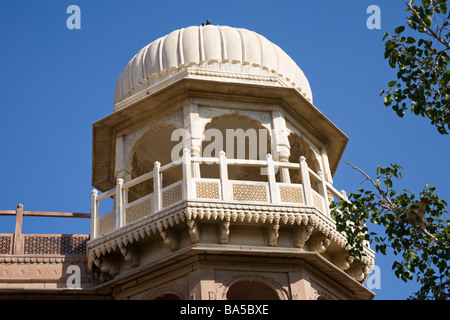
x,y
374,184
432,33
390,206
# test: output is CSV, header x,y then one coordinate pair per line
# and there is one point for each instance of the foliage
x,y
422,64
414,227
425,251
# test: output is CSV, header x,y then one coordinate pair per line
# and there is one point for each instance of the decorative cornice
x,y
41,259
150,86
222,213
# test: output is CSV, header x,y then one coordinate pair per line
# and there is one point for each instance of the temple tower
x,y
214,175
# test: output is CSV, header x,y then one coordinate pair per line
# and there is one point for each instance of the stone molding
x,y
151,86
224,214
41,272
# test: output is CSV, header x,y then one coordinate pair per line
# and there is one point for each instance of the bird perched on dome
x,y
208,22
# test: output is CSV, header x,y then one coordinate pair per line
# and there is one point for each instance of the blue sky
x,y
55,82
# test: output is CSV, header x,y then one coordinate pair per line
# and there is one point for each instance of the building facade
x,y
213,177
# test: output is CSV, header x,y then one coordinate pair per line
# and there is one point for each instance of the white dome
x,y
218,52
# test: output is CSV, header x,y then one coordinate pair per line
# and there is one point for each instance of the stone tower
x,y
220,170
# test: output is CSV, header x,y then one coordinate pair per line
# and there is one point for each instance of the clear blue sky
x,y
55,82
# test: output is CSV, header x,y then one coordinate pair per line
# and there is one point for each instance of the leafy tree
x,y
422,64
414,226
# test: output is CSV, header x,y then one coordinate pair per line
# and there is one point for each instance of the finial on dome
x,y
208,22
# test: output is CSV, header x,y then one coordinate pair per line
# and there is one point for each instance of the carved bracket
x,y
273,233
131,254
224,230
343,261
359,271
107,268
319,243
302,234
193,230
170,238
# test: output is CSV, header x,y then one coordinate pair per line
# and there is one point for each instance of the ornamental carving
x,y
311,230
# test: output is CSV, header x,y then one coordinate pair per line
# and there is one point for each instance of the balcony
x,y
221,216
220,190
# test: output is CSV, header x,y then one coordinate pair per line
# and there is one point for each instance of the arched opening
x,y
300,147
241,138
168,296
251,290
155,145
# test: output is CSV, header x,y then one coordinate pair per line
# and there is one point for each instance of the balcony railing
x,y
41,244
219,189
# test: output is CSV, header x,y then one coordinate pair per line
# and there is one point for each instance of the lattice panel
x,y
318,201
249,192
58,244
207,190
291,194
138,210
171,195
106,224
5,244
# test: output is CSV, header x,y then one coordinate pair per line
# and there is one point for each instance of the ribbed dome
x,y
220,52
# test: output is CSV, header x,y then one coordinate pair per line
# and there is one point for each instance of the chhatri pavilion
x,y
213,180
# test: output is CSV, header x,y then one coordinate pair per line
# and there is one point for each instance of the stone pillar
x,y
120,163
326,165
281,144
120,169
192,124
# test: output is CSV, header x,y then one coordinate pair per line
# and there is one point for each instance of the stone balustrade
x,y
221,189
42,261
270,216
37,244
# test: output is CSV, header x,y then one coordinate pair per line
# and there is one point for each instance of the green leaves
x,y
415,226
400,29
392,83
423,255
421,59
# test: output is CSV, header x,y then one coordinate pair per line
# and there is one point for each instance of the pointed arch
x,y
241,137
155,145
251,289
299,147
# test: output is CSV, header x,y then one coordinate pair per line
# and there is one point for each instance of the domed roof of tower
x,y
219,53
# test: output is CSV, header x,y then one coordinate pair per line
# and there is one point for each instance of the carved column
x,y
94,214
121,175
281,143
326,165
192,124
